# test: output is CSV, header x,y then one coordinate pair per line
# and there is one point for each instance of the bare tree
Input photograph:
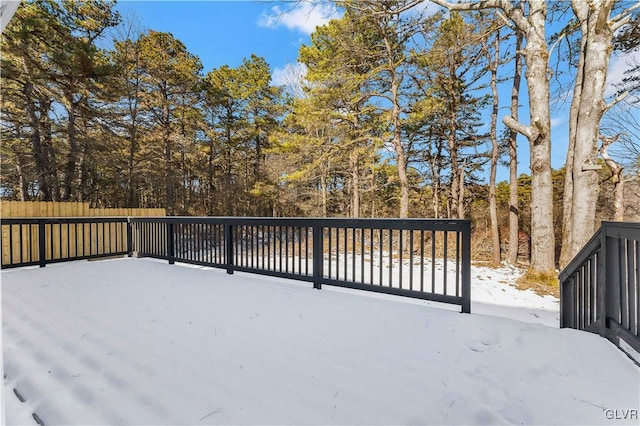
x,y
532,25
597,28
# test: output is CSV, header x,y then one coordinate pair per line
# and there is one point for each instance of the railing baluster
x,y
390,257
353,254
433,261
337,253
400,238
458,260
445,266
346,254
362,274
421,260
371,245
11,245
411,259
380,257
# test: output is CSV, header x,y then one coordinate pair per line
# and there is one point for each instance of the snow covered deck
x,y
135,341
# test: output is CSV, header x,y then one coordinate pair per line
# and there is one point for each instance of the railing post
x,y
42,253
228,243
466,268
611,285
171,254
318,256
602,280
129,237
567,303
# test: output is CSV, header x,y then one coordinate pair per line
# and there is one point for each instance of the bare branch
x,y
506,20
538,125
555,44
369,7
516,126
619,98
514,14
623,17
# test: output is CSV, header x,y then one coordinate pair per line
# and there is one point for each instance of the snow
x,y
137,341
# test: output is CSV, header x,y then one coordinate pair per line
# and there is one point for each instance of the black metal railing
x,y
39,241
600,288
421,258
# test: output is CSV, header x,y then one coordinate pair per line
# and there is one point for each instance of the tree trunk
x,y
455,171
401,159
168,172
210,188
536,56
40,158
616,178
323,192
493,207
72,155
46,133
133,147
567,201
461,174
355,184
585,122
22,183
514,213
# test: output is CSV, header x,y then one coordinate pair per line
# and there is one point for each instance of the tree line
x,y
390,119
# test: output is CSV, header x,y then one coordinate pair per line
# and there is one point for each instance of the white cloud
x,y
292,77
617,67
303,16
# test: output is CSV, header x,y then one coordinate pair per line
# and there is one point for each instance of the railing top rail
x,y
592,245
610,223
384,223
36,220
629,230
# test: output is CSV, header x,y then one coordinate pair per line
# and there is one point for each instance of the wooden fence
x,y
11,209
20,243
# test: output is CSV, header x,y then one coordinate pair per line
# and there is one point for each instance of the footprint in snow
x,y
477,346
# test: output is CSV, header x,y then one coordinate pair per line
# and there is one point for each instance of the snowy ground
x,y
135,341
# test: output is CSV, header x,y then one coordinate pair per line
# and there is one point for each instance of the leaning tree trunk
x,y
401,158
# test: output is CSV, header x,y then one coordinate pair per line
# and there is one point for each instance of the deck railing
x,y
600,288
421,258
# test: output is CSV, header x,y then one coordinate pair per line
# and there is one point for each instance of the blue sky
x,y
225,32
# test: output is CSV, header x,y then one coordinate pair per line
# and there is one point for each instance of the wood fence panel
x,y
13,209
66,240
